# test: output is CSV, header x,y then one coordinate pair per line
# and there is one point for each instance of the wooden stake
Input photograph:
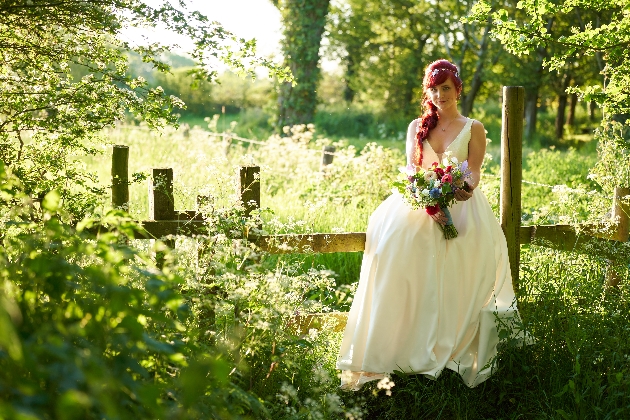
x,y
620,214
249,188
328,155
161,203
511,173
120,177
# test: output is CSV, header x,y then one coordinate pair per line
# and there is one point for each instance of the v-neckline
x,y
454,140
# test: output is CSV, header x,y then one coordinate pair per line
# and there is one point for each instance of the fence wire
x,y
325,152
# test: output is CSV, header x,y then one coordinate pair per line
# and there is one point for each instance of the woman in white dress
x,y
425,303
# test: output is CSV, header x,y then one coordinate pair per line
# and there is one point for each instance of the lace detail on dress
x,y
354,381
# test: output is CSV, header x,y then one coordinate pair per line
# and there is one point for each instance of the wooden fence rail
x,y
165,221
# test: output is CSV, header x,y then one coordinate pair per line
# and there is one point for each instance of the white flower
x,y
386,384
409,170
454,160
425,192
437,184
429,176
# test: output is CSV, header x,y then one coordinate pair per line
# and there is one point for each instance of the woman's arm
x,y
476,152
411,141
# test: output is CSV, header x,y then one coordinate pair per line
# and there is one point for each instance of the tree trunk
x,y
477,80
572,105
562,106
591,110
348,92
304,22
531,111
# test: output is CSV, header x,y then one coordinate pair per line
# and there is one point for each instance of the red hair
x,y
435,74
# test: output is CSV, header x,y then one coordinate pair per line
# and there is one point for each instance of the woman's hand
x,y
440,217
462,195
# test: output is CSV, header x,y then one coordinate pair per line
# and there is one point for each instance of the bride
x,y
425,303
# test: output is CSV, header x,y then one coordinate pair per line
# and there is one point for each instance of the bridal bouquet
x,y
434,189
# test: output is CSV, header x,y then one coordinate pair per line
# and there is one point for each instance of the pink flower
x,y
447,178
431,210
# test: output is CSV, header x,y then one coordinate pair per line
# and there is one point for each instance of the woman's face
x,y
443,95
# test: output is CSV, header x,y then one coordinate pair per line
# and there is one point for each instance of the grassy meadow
x,y
576,369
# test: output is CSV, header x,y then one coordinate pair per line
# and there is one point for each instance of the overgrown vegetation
x,y
91,327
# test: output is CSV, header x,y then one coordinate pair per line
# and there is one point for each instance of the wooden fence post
x,y
620,214
327,155
161,203
512,173
249,188
120,177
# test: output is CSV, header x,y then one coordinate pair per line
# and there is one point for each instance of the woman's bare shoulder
x,y
414,124
478,129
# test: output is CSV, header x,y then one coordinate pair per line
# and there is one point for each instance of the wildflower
x,y
386,384
431,210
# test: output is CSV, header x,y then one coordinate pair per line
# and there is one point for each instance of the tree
x,y
598,30
304,22
48,114
385,46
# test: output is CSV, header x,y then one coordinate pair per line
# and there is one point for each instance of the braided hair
x,y
435,74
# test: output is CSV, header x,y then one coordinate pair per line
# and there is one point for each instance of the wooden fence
x,y
164,220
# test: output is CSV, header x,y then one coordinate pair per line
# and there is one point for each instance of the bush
x,y
91,329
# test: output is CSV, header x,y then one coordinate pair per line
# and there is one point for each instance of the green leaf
x,y
51,201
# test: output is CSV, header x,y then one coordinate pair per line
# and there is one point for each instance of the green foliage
x,y
64,75
385,46
353,121
599,30
230,93
557,188
613,167
91,329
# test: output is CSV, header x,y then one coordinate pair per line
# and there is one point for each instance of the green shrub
x,y
91,329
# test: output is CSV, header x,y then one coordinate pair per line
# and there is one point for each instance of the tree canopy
x,y
571,30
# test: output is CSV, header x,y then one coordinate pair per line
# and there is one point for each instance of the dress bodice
x,y
458,148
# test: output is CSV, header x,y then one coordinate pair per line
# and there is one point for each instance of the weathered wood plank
x,y
511,173
120,177
620,214
569,238
303,323
317,242
328,154
249,188
161,205
160,228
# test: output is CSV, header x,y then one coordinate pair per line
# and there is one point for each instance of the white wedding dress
x,y
425,303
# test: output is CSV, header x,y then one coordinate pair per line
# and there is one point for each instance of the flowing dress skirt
x,y
425,303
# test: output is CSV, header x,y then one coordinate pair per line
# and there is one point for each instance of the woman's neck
x,y
448,114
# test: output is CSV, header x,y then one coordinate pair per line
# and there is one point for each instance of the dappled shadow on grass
x,y
514,389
